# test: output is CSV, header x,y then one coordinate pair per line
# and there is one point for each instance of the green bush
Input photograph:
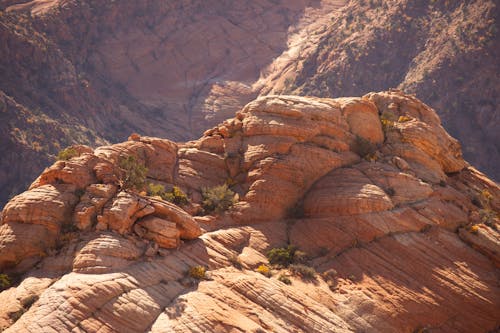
x,y
67,154
5,282
133,173
218,198
305,272
282,256
175,196
197,272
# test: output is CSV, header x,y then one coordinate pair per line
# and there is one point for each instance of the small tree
x,y
133,173
218,198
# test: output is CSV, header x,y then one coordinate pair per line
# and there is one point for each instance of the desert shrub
x,y
363,147
197,272
264,270
67,154
5,282
156,190
285,256
133,173
29,301
218,198
176,196
305,272
282,256
285,279
390,191
474,229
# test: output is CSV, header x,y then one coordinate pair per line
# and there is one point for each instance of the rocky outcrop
x,y
375,45
80,72
401,231
187,65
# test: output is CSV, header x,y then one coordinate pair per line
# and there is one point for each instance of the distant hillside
x,y
92,73
446,52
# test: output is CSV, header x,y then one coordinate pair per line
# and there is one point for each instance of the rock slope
x,y
401,231
96,72
443,51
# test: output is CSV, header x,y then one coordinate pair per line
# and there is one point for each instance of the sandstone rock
x,y
188,227
362,117
32,221
484,239
104,253
91,204
345,192
124,211
163,232
386,227
77,171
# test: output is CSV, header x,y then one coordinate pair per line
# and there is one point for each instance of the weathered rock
x,y
345,192
32,221
91,204
484,239
386,226
123,212
189,228
163,232
105,253
77,171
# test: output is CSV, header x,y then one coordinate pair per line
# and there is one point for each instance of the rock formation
x,y
84,72
401,231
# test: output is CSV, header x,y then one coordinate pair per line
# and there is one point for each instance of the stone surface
x,y
124,211
410,230
163,232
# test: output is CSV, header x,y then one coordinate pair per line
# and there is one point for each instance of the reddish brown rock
x,y
32,221
91,204
123,212
163,232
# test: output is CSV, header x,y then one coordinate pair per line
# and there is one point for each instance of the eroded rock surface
x,y
401,231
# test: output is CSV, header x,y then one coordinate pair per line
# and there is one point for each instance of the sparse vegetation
x,y
487,214
305,272
285,279
176,195
404,119
363,147
281,256
16,315
5,282
133,173
197,272
29,301
330,277
218,198
67,153
264,270
390,191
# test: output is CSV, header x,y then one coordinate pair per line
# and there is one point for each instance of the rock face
x,y
376,45
91,73
401,231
